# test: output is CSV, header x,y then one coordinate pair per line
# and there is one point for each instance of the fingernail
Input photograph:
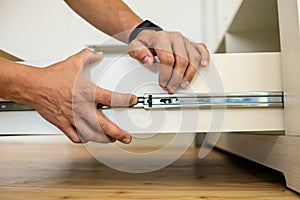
x,y
184,84
147,60
126,140
172,91
133,100
99,53
204,63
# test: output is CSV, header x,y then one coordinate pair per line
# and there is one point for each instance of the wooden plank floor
x,y
66,171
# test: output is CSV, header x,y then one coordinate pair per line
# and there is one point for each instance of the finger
x,y
89,130
140,52
194,62
86,122
107,97
163,49
112,130
181,61
71,133
202,49
86,57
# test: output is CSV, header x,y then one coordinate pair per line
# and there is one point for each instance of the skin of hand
x,y
179,58
65,97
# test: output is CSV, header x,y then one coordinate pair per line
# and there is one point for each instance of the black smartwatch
x,y
142,26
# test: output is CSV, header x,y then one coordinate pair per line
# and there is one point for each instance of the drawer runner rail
x,y
202,100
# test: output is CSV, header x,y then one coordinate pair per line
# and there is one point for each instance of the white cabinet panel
x,y
226,73
289,12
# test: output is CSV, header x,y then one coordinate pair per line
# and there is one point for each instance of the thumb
x,y
140,52
86,57
109,98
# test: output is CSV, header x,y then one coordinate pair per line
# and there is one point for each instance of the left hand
x,y
64,96
179,58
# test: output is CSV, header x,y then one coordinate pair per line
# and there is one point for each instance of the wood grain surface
x,y
67,171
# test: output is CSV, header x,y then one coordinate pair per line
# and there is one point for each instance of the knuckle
x,y
178,35
182,61
136,53
195,61
85,50
204,49
85,53
169,60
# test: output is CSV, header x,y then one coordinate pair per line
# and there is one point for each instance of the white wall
x,y
48,29
175,15
39,30
217,16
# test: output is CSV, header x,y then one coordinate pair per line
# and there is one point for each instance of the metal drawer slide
x,y
229,100
204,100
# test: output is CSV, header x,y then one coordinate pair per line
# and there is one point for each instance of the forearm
x,y
17,81
112,17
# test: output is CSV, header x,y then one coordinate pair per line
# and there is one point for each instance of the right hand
x,y
67,99
179,58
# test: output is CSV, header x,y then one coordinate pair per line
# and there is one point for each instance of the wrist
x,y
29,86
20,82
145,25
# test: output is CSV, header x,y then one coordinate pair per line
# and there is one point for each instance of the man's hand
x,y
67,99
179,58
